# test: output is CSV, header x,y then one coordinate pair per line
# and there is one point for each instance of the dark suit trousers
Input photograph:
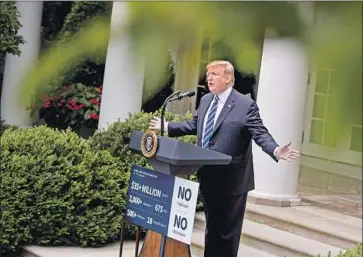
x,y
224,219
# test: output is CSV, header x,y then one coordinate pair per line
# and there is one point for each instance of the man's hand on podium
x,y
155,124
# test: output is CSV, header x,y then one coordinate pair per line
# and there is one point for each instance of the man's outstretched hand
x,y
155,123
286,153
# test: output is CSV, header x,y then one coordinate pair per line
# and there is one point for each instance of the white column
x,y
12,111
281,99
124,76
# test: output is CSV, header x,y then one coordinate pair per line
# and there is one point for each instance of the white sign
x,y
182,212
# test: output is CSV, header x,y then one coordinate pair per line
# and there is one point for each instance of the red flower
x,y
47,104
93,116
62,100
57,115
73,103
99,89
70,107
94,101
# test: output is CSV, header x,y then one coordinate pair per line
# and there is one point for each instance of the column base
x,y
273,201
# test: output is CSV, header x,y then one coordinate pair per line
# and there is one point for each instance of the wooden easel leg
x,y
162,246
122,237
137,241
173,248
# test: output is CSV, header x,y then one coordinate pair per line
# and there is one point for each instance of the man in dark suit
x,y
226,122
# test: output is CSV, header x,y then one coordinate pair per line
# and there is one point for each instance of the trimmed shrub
x,y
57,190
353,252
4,126
117,136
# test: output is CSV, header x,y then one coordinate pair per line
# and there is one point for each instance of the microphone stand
x,y
163,107
172,97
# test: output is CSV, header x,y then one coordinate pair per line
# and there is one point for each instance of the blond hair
x,y
228,67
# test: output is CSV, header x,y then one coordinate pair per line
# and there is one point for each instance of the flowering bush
x,y
72,106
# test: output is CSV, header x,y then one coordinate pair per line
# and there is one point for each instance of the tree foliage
x,y
9,37
54,13
9,27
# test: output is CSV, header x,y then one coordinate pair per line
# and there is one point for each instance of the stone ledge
x,y
274,202
310,222
276,242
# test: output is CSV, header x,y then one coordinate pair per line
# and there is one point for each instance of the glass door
x,y
321,137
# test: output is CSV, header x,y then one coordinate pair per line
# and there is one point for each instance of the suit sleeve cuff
x,y
166,127
275,153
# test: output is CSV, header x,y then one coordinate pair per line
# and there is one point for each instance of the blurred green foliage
x,y
60,59
336,44
333,37
90,72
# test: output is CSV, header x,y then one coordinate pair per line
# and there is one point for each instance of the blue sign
x,y
162,203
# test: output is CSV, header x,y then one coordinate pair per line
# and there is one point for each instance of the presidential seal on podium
x,y
149,143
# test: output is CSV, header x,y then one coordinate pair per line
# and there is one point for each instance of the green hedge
x,y
57,190
353,252
4,126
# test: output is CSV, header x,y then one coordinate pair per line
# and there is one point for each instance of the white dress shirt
x,y
222,100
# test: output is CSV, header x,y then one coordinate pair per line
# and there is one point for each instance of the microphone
x,y
175,96
188,94
182,95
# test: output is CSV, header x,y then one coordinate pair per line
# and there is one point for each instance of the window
x,y
323,130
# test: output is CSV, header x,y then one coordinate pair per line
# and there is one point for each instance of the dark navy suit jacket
x,y
238,123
